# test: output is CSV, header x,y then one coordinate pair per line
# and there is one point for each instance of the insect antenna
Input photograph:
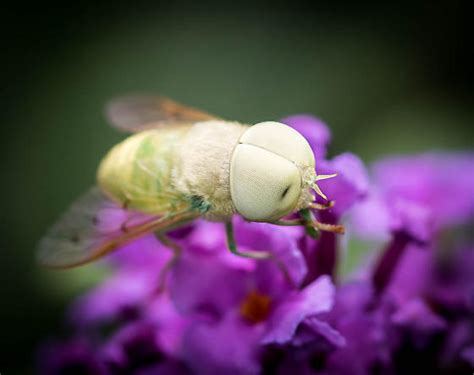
x,y
316,187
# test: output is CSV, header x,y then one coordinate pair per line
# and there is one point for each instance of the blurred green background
x,y
386,78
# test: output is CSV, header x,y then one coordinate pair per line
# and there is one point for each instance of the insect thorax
x,y
202,165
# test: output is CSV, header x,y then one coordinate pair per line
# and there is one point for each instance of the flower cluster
x,y
407,304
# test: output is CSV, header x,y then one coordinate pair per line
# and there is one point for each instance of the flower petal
x,y
282,242
315,298
206,284
229,346
120,294
350,185
442,183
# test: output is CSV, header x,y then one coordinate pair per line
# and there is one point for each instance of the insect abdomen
x,y
136,173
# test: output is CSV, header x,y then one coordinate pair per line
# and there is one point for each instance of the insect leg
x,y
319,206
312,224
334,228
231,244
308,218
313,227
177,251
261,255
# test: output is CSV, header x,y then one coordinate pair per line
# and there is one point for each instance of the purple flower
x,y
409,309
346,190
401,302
251,299
419,194
442,183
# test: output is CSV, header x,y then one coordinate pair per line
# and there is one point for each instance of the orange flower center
x,y
255,307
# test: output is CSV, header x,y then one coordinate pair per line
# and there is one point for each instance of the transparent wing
x,y
95,226
136,113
